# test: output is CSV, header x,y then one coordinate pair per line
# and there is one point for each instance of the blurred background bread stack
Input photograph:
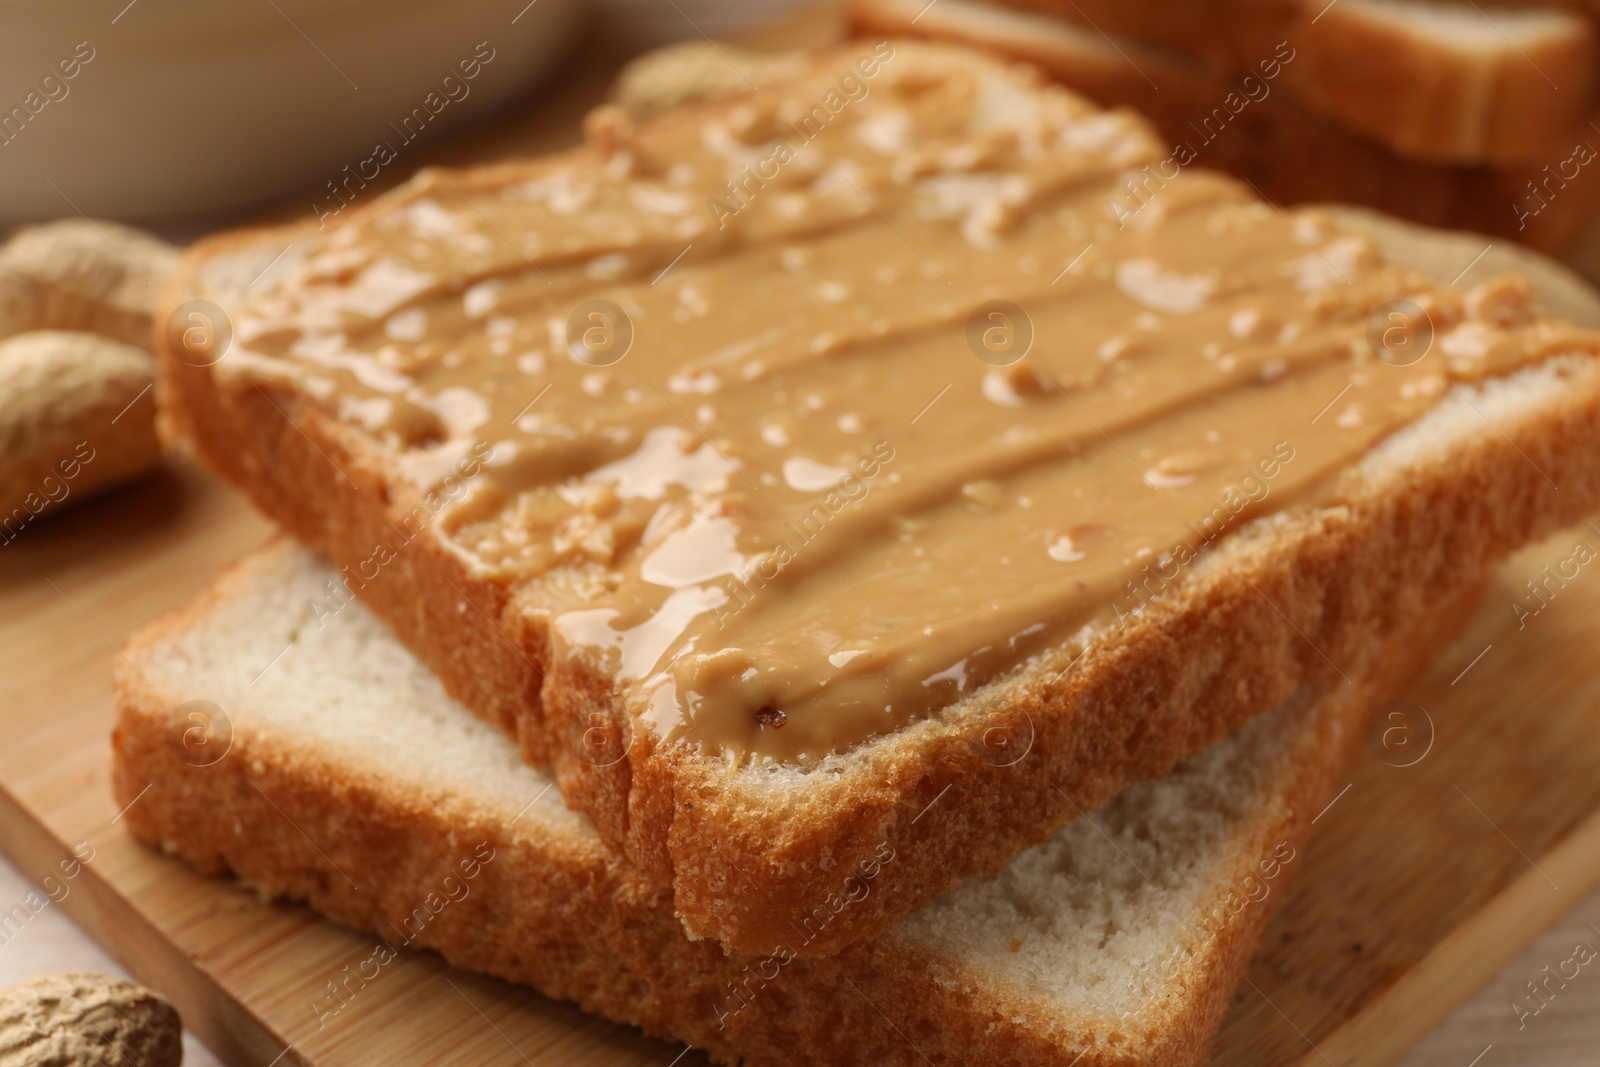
x,y
1452,114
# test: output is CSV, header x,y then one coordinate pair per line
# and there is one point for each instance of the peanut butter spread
x,y
859,390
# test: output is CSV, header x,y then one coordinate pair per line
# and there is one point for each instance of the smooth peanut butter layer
x,y
858,398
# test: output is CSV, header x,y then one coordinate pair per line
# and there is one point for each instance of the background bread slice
x,y
1308,594
1454,82
1451,83
343,775
1291,152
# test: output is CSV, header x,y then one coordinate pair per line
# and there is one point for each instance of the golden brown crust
x,y
1316,597
305,471
1292,154
555,911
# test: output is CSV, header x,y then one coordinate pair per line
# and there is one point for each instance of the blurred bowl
x,y
653,23
182,109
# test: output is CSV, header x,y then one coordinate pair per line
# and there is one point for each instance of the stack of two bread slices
x,y
932,891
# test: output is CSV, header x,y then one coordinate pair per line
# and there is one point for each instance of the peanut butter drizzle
x,y
817,515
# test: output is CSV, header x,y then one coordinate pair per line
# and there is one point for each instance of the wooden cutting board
x,y
1472,822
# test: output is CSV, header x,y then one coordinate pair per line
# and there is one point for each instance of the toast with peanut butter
x,y
348,779
860,462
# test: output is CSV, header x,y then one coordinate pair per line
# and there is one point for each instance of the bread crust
x,y
1315,594
555,910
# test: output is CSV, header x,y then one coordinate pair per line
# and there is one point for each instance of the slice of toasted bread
x,y
1434,82
1452,83
346,777
1262,130
1309,592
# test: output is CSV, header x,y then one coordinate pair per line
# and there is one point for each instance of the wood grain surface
x,y
1470,824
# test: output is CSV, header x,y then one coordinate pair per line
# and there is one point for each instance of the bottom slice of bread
x,y
271,731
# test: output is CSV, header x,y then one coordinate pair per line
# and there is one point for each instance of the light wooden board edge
x,y
1468,956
